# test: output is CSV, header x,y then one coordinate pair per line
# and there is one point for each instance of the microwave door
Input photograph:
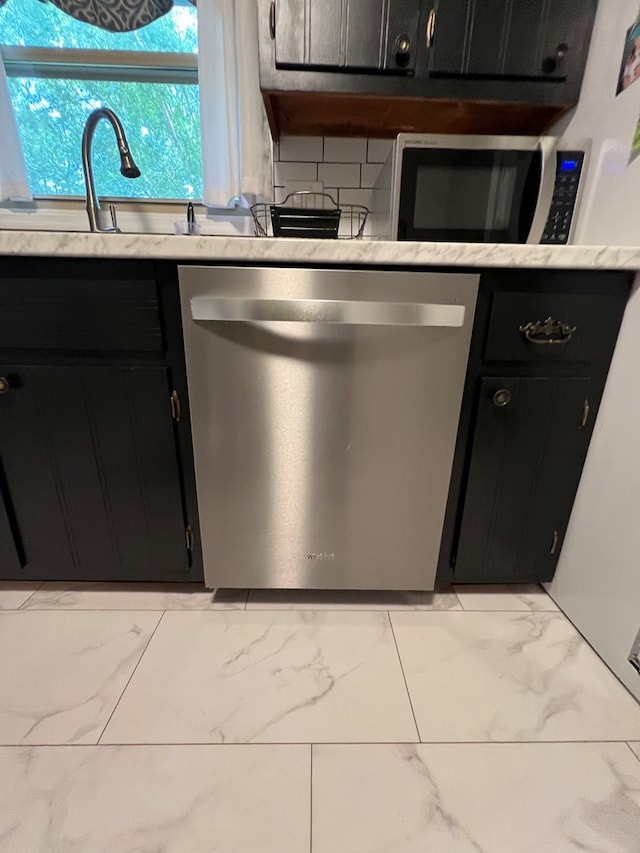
x,y
474,195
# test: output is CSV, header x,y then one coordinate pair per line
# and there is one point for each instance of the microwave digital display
x,y
474,197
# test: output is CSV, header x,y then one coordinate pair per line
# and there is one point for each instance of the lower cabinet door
x,y
91,469
11,558
529,444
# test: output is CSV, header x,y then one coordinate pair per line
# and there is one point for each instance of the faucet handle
x,y
114,217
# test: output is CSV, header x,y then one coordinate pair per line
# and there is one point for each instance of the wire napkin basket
x,y
309,214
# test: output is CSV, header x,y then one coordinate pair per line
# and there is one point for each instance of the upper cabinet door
x,y
508,39
347,35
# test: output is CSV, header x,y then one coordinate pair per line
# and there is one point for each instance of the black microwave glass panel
x,y
476,196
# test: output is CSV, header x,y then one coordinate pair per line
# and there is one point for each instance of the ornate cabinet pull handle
x,y
550,332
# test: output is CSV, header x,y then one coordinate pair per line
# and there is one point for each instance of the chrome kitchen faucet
x,y
128,167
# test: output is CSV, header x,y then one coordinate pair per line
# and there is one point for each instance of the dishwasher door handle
x,y
350,312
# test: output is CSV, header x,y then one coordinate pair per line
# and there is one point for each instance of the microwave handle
x,y
547,148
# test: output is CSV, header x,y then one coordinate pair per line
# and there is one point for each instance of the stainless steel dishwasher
x,y
324,407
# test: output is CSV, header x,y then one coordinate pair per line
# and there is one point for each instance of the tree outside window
x,y
61,69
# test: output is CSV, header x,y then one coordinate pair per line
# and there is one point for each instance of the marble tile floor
x,y
148,718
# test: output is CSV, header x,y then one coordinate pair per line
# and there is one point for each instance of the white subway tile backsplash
x,y
339,174
369,173
378,150
334,193
301,148
347,168
298,186
284,172
356,197
343,150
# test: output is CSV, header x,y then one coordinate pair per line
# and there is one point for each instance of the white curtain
x,y
13,175
236,145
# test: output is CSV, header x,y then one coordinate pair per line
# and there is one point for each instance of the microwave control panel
x,y
568,170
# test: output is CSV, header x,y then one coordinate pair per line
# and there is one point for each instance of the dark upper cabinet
x,y
510,39
377,36
380,67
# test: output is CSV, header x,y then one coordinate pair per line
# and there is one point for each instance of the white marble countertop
x,y
244,249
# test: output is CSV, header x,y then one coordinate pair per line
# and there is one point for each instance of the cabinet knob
x,y
4,385
550,64
502,397
403,44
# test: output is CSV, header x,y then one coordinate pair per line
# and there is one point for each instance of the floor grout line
x,y
243,605
404,677
243,609
29,597
457,597
633,752
311,798
346,743
501,610
124,609
115,707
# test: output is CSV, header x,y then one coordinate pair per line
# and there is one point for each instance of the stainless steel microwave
x,y
477,189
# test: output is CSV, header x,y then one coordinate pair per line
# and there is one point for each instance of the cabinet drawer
x,y
586,328
96,314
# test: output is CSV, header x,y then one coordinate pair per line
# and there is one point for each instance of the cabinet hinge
x,y
431,27
188,537
174,401
585,414
634,654
272,21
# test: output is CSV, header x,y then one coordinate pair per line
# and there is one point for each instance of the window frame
x,y
125,66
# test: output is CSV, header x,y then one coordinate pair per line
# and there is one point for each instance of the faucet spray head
x,y
128,166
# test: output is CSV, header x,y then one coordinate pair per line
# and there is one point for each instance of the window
x,y
60,69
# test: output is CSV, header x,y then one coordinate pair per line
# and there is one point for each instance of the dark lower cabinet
x,y
91,474
11,556
529,444
540,352
96,464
